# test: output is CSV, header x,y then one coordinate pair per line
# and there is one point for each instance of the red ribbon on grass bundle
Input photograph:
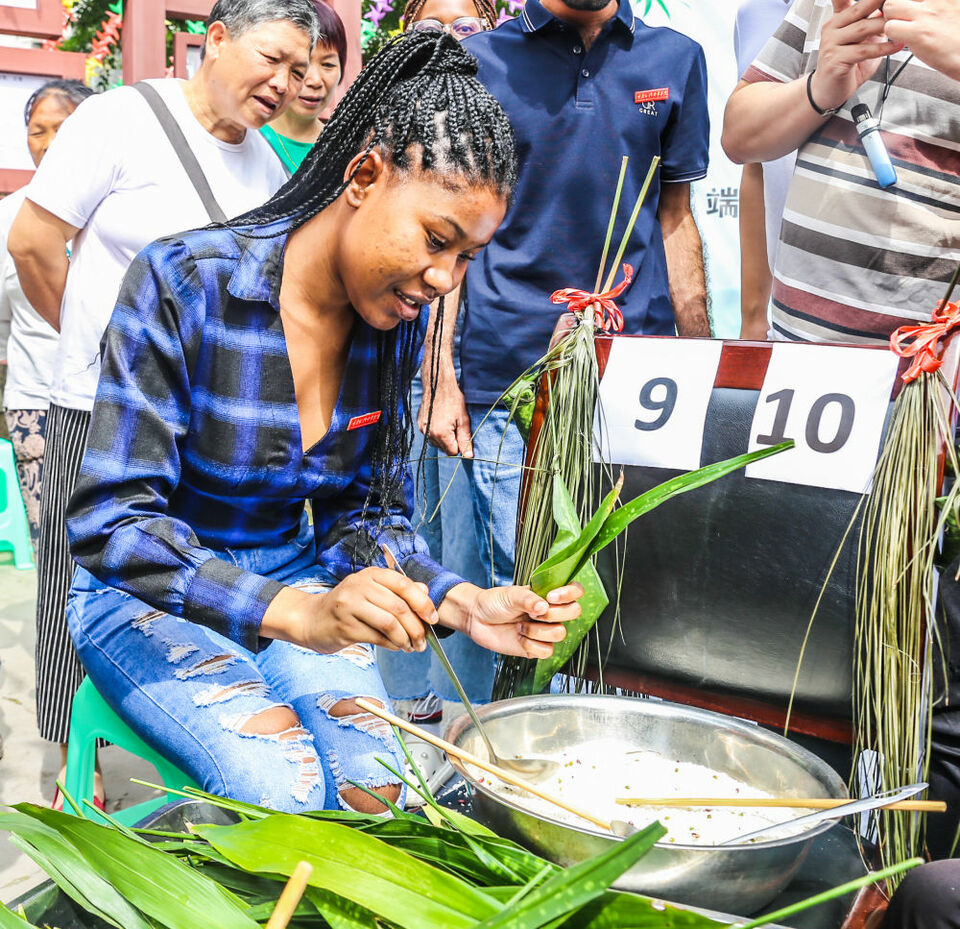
x,y
607,314
921,342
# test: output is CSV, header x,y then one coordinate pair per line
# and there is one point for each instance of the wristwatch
x,y
830,111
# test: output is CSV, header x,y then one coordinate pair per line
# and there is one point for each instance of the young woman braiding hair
x,y
249,367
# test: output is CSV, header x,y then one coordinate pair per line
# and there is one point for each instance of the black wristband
x,y
813,102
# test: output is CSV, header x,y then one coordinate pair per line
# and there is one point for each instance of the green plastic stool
x,y
14,529
92,718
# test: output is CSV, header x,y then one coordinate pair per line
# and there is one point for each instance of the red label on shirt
x,y
652,96
368,419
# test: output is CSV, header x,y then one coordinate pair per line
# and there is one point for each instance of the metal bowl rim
x,y
501,707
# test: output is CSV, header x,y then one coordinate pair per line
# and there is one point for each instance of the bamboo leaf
x,y
520,398
341,913
621,518
616,910
158,884
467,825
592,604
77,877
357,866
10,920
570,889
558,569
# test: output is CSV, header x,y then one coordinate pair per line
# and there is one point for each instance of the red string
x,y
921,342
607,315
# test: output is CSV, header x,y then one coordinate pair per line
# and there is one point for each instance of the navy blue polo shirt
x,y
639,91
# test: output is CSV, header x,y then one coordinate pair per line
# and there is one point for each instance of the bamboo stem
x,y
872,878
632,222
800,803
612,222
290,896
468,758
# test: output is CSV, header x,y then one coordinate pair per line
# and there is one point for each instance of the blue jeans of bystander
x,y
454,543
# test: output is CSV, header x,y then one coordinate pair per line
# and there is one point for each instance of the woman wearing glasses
x,y
461,18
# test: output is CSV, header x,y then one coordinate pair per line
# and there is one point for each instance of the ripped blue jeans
x,y
198,698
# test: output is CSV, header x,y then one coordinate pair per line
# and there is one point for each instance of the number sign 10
x,y
784,400
832,401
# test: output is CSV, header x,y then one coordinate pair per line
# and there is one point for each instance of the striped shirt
x,y
195,448
856,261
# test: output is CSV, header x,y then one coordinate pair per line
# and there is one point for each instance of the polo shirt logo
x,y
647,100
368,419
660,95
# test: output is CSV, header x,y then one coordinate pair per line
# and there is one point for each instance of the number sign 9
x,y
832,401
663,408
653,400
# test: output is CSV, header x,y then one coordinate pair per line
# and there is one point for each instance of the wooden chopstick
x,y
804,803
471,759
290,896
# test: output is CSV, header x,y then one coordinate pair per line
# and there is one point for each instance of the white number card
x,y
832,401
653,401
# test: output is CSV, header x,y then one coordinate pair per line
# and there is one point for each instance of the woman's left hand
x,y
516,621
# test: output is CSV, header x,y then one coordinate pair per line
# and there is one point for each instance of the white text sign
x,y
832,401
653,401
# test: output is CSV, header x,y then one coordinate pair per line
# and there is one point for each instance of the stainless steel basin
x,y
731,879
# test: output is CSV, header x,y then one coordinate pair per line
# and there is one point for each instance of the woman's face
x,y
316,93
255,76
448,12
47,117
409,237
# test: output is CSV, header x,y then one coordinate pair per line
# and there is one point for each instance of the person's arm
x,y
768,118
931,28
449,421
38,246
755,278
118,522
684,253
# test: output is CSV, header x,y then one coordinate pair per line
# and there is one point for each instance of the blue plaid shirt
x,y
195,445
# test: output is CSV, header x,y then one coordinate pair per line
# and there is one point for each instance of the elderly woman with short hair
x,y
130,166
294,132
32,345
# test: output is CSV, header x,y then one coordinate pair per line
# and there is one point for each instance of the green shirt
x,y
289,151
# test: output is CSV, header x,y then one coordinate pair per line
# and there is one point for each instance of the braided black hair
x,y
485,10
419,103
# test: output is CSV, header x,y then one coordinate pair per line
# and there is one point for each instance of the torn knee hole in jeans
x,y
177,651
358,654
346,712
217,694
351,797
279,724
216,664
144,622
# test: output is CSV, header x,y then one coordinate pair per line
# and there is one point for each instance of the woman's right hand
x,y
376,605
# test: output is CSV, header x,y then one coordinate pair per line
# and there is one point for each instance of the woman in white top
x,y
113,182
32,344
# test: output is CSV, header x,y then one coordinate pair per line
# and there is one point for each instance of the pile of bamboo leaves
x,y
409,872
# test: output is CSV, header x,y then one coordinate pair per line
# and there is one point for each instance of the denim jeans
x,y
454,543
189,692
495,474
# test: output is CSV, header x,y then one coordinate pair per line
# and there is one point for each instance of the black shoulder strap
x,y
187,158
